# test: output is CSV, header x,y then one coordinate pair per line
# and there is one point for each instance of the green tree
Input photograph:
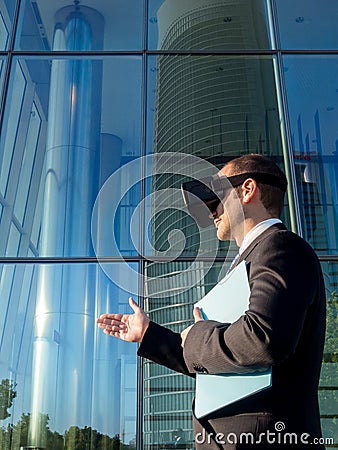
x,y
331,340
7,395
20,434
73,439
54,441
328,394
5,437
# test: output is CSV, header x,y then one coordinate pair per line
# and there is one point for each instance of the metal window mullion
x,y
34,185
141,263
296,221
294,207
140,368
8,62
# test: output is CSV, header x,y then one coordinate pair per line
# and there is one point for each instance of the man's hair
x,y
272,197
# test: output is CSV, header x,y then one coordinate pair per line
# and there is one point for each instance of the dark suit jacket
x,y
284,327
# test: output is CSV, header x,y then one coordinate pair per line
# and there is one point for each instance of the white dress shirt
x,y
256,231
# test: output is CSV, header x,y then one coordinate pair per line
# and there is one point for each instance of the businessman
x,y
283,328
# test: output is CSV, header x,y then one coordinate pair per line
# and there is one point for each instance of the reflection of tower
x,y
318,188
64,314
207,105
214,107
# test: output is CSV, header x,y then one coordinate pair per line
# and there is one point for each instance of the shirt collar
x,y
256,231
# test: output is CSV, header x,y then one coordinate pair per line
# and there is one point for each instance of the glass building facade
x,y
105,108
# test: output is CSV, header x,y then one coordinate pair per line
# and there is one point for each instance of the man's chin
x,y
221,236
224,235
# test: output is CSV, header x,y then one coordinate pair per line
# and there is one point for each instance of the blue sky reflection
x,y
61,363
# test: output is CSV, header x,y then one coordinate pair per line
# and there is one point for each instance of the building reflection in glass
x,y
68,376
64,305
214,107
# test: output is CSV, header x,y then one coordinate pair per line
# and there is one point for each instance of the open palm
x,y
128,327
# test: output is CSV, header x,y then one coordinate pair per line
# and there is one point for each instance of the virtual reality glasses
x,y
203,196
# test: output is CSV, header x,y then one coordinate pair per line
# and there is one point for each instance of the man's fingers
x,y
116,333
103,317
112,324
113,321
117,326
184,334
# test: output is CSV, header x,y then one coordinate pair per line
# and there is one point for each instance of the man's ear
x,y
249,190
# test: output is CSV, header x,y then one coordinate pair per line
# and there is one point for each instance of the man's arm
x,y
159,344
163,347
284,280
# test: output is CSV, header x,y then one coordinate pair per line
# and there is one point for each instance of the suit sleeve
x,y
163,346
283,277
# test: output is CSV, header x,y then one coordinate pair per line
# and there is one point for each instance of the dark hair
x,y
272,197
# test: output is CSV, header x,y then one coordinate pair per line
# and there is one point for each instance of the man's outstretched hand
x,y
128,327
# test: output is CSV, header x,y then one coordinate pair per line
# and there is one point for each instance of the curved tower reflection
x,y
64,318
215,107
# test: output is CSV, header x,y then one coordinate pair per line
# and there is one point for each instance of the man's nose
x,y
213,214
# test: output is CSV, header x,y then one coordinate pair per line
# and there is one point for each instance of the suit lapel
x,y
270,230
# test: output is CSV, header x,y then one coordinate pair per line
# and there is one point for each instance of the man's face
x,y
222,223
229,213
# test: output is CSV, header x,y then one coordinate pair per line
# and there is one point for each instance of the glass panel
x,y
60,375
312,93
328,387
2,71
203,111
13,241
205,25
7,8
68,125
25,176
99,25
10,128
168,395
308,24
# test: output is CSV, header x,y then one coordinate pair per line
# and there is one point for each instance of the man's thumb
x,y
197,313
134,306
